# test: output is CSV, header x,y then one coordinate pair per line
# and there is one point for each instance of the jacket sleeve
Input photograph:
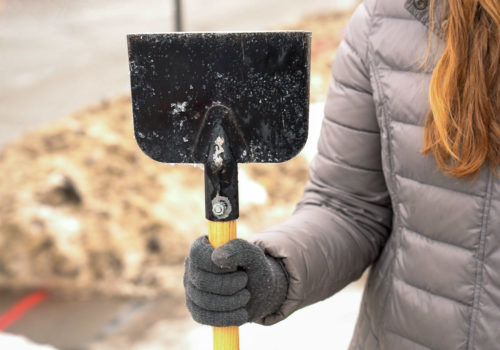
x,y
344,218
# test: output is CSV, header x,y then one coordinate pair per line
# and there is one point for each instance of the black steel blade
x,y
257,83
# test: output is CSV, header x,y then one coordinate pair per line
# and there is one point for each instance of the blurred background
x,y
93,234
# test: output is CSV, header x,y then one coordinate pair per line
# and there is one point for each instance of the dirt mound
x,y
82,209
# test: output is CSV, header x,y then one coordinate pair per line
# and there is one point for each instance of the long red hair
x,y
462,130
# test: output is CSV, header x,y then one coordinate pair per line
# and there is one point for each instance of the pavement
x,y
58,322
91,323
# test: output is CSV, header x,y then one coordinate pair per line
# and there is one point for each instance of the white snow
x,y
250,191
178,107
14,342
315,121
325,325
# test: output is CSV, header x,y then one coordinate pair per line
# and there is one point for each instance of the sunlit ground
x,y
325,325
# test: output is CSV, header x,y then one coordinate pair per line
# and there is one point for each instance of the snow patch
x,y
250,191
315,121
14,342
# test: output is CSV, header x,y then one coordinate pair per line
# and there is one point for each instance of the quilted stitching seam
x,y
394,196
363,59
480,262
439,187
369,65
409,339
368,327
440,296
403,71
407,123
347,165
427,238
332,121
397,18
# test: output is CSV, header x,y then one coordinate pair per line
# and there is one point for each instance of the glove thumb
x,y
237,253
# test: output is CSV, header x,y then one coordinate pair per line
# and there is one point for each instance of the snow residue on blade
x,y
178,107
219,141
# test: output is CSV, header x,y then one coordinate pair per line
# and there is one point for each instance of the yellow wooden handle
x,y
220,232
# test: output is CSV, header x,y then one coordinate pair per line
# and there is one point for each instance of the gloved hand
x,y
233,284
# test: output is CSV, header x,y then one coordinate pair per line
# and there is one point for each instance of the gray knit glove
x,y
233,284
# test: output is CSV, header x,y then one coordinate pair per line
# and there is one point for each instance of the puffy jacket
x,y
373,199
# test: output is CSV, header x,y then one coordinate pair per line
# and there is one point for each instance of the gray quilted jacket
x,y
433,241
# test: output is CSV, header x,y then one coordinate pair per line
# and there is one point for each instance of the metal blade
x,y
256,82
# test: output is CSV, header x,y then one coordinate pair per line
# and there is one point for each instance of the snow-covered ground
x,y
14,342
325,325
315,120
328,324
251,192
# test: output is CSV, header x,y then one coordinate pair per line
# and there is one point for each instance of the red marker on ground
x,y
21,308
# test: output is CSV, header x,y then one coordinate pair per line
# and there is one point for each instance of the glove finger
x,y
237,253
222,284
214,302
217,319
200,255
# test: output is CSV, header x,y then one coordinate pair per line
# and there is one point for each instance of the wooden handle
x,y
220,232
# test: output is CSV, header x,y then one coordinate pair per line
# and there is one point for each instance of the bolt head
x,y
218,209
